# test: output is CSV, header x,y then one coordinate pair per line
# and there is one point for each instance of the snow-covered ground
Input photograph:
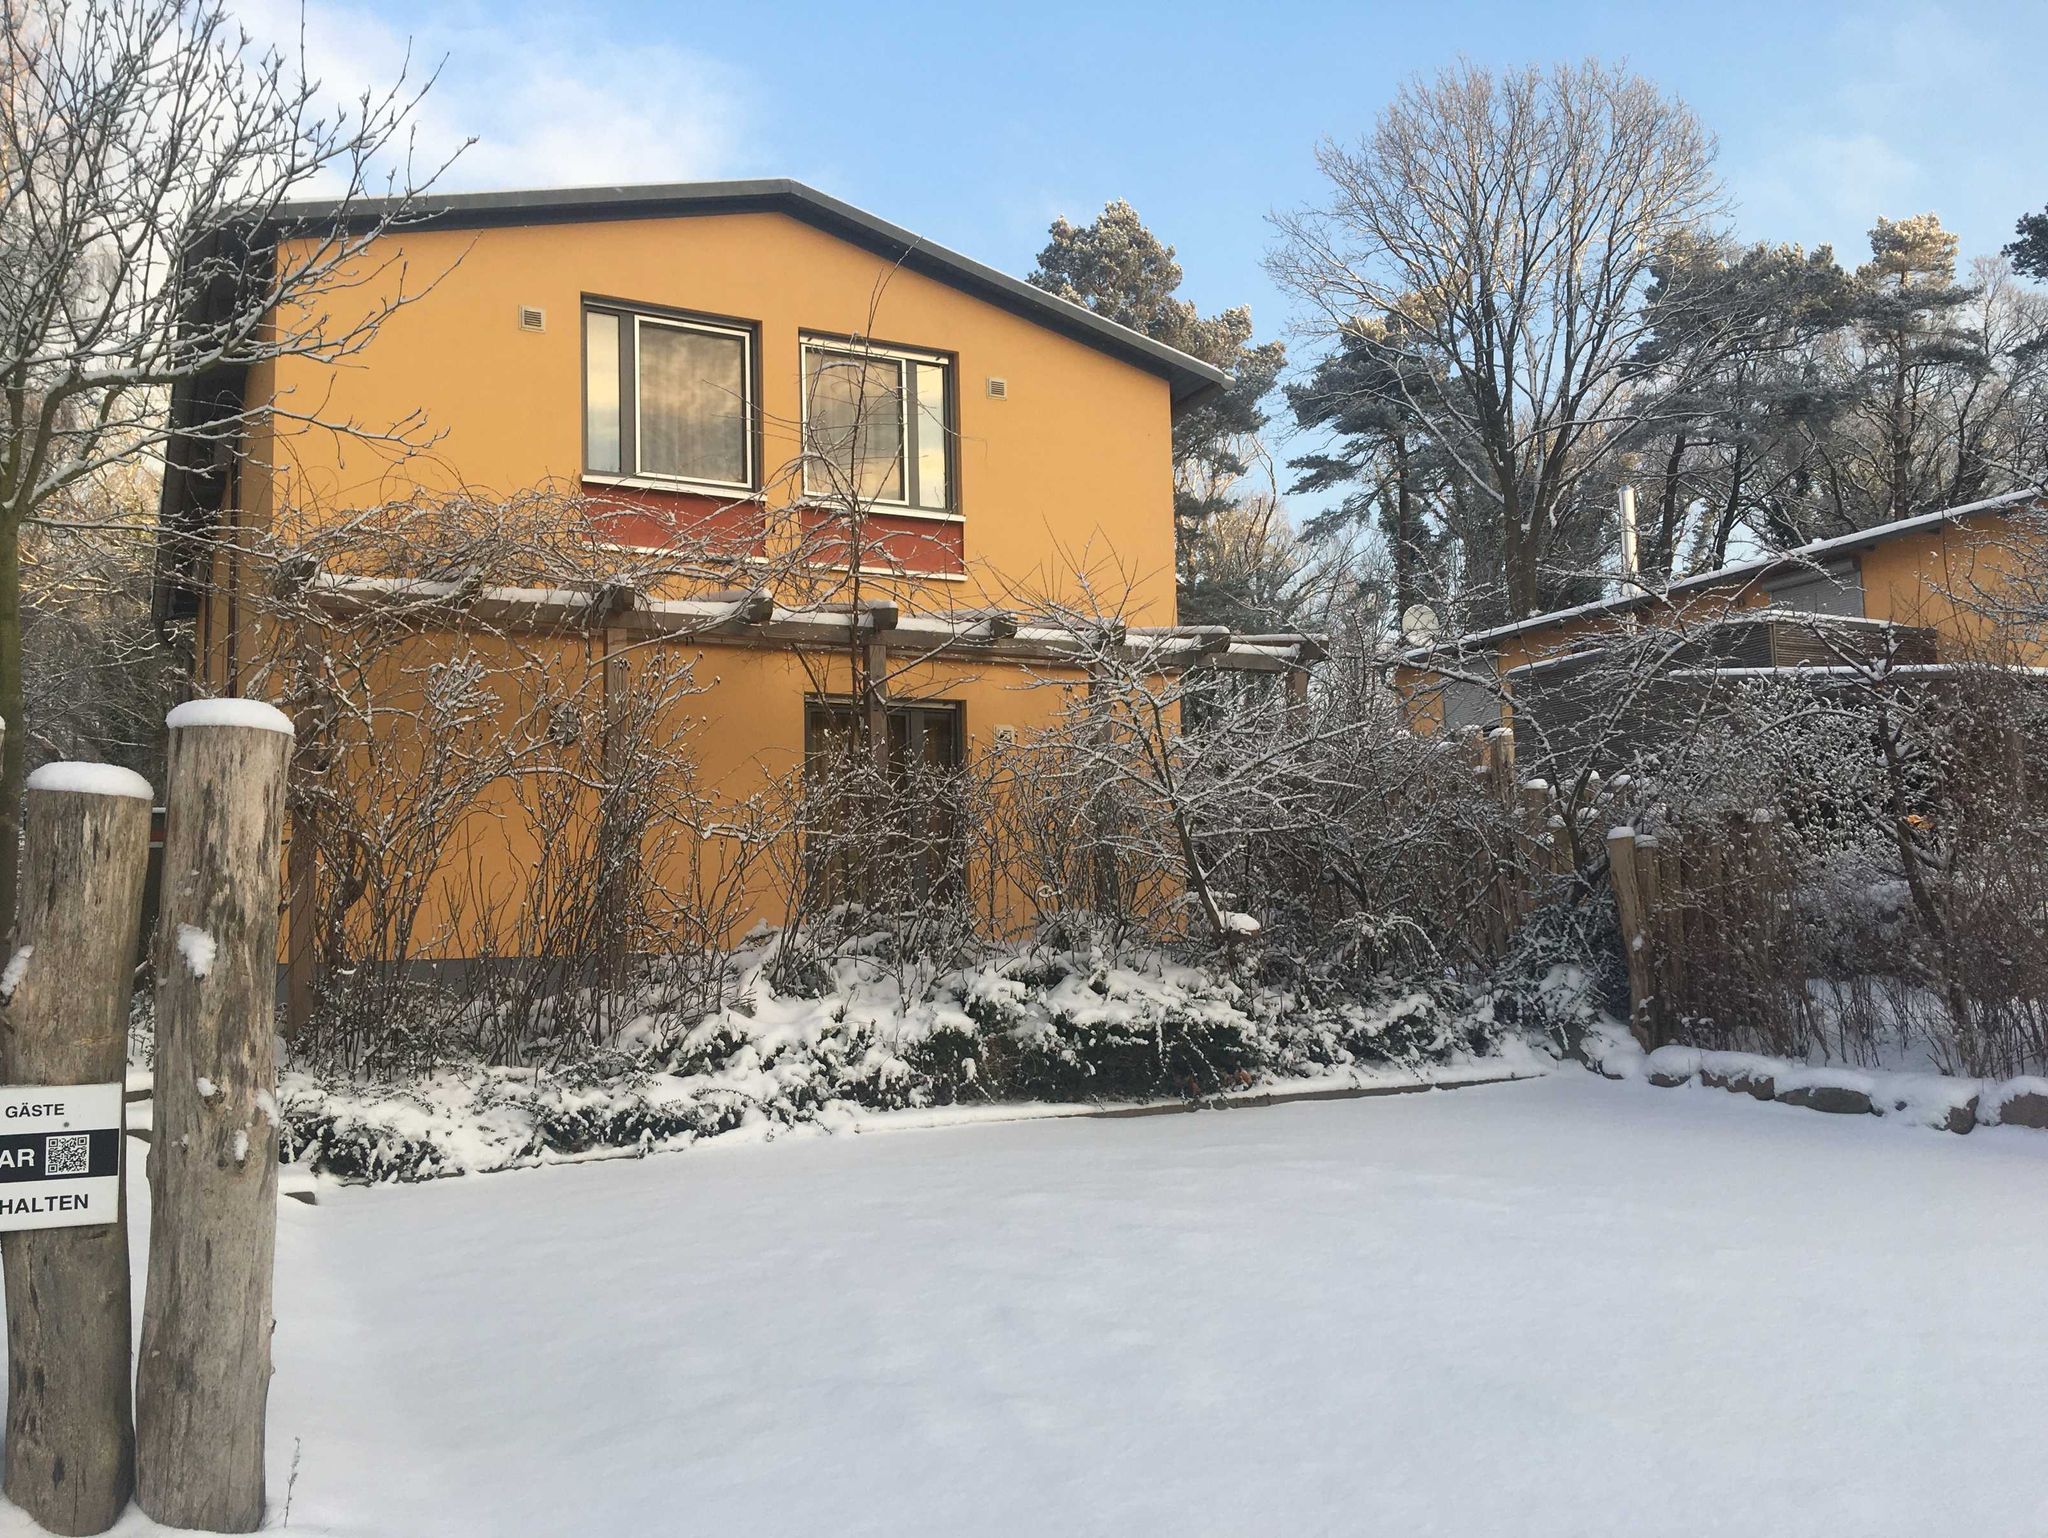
x,y
1560,1307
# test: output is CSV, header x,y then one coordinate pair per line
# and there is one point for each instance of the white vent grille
x,y
532,318
999,389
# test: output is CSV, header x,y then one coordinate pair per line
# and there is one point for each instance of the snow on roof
x,y
229,713
1812,553
90,780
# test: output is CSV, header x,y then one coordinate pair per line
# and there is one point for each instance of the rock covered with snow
x,y
2021,1102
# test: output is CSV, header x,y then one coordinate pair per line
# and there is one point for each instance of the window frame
x,y
631,314
865,350
1834,582
825,712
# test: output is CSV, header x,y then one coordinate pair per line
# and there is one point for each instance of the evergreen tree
x,y
1397,481
2029,253
1912,340
1118,268
1731,444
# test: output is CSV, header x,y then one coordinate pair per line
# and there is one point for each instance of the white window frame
x,y
856,351
637,476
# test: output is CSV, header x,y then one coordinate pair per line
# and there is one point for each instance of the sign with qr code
x,y
60,1155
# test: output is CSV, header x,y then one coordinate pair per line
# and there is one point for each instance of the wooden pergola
x,y
624,614
621,615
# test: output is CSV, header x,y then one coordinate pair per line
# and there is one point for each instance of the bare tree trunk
x,y
204,1377
1669,510
70,1435
1404,531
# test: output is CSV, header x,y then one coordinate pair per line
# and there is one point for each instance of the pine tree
x,y
1910,337
2029,253
1400,483
1731,445
1118,268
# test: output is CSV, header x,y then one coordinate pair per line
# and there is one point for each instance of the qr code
x,y
67,1155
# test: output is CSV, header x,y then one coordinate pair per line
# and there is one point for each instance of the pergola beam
x,y
751,618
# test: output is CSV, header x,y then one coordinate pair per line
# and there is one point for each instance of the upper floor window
x,y
667,398
878,423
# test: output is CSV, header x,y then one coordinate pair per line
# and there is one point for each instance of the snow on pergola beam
x,y
754,619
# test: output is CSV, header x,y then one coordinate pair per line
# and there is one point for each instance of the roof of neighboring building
x,y
1188,377
1816,553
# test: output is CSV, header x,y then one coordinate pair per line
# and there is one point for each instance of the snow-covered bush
x,y
1022,1024
1862,866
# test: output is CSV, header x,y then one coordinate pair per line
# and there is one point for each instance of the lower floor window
x,y
882,827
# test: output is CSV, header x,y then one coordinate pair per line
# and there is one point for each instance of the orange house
x,y
1937,587
801,435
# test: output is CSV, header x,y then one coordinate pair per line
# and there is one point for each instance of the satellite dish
x,y
1419,624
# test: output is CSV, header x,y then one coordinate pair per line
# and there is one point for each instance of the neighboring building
x,y
1925,593
667,354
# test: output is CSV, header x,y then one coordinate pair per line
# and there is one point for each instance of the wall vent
x,y
532,318
999,389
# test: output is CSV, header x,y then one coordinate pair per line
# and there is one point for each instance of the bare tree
x,y
146,147
1512,223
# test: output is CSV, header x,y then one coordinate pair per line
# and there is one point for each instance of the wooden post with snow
x,y
203,1381
70,1460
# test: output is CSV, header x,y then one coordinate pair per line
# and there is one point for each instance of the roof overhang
x,y
1188,378
1742,574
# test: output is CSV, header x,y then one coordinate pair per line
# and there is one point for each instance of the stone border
x,y
1933,1100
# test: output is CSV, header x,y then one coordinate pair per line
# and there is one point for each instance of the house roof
x,y
1189,378
1815,553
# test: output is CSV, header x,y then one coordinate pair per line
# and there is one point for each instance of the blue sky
x,y
975,124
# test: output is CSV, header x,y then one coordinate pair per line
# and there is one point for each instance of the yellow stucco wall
x,y
1069,474
1951,577
1948,577
1072,469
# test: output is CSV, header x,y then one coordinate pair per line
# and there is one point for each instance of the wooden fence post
x,y
70,1437
1676,876
203,1381
1632,913
1650,901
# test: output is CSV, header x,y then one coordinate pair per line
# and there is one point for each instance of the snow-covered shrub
x,y
1020,1024
1861,867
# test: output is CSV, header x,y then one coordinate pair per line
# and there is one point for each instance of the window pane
x,y
931,435
601,392
855,415
693,404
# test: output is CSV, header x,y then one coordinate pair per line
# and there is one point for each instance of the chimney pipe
x,y
1631,559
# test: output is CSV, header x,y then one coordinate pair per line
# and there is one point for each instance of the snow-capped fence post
x,y
70,1460
203,1380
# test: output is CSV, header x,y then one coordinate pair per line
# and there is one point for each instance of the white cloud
x,y
549,101
1819,187
1912,95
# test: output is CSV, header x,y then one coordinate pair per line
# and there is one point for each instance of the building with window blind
x,y
1956,587
801,434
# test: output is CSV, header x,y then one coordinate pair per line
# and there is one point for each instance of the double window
x,y
668,399
672,398
876,425
889,837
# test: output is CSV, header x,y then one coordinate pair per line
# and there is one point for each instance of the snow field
x,y
1560,1307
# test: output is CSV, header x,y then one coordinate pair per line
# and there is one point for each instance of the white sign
x,y
60,1155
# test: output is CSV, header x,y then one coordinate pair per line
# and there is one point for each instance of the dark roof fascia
x,y
1747,572
1189,379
